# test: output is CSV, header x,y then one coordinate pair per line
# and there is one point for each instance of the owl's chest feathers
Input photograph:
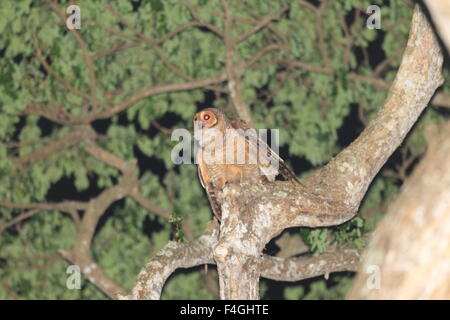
x,y
224,161
229,173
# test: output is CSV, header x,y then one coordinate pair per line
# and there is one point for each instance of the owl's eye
x,y
206,117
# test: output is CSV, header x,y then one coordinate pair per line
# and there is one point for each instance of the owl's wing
x,y
211,191
271,155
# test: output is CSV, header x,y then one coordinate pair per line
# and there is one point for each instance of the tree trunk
x,y
409,257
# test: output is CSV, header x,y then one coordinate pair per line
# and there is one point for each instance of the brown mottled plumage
x,y
216,168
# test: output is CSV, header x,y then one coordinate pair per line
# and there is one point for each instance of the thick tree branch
x,y
95,208
439,99
333,193
408,257
174,255
253,214
296,269
177,255
80,253
94,273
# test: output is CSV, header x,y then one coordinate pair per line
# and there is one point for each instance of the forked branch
x,y
254,214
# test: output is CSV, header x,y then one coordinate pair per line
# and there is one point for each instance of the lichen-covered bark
x,y
174,255
253,214
411,248
295,269
346,178
239,250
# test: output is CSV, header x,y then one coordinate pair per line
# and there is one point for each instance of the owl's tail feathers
x,y
213,201
288,174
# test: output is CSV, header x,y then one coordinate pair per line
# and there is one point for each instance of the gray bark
x,y
253,214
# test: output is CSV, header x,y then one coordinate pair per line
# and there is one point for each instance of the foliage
x,y
316,110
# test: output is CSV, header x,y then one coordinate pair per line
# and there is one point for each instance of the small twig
x,y
309,67
149,205
20,218
234,72
34,208
260,25
194,12
160,127
262,52
349,41
120,45
321,35
154,90
50,71
73,138
110,158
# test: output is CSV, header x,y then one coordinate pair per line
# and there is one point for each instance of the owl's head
x,y
208,118
208,126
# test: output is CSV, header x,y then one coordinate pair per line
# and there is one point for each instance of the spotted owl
x,y
229,151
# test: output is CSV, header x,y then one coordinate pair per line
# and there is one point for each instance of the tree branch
x,y
254,214
194,13
296,269
94,273
408,257
73,138
175,255
260,25
95,208
86,55
153,90
234,71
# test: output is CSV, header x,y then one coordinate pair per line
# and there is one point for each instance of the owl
x,y
229,151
